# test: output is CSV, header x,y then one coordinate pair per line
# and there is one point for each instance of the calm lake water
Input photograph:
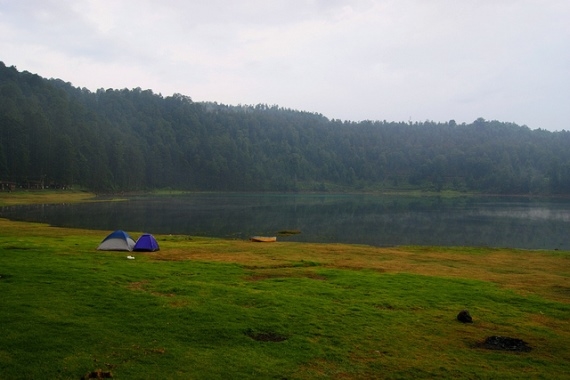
x,y
361,219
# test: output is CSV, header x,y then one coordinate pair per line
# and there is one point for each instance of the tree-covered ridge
x,y
135,139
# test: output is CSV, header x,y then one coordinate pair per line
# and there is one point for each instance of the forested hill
x,y
118,140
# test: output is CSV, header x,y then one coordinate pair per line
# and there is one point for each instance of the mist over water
x,y
358,219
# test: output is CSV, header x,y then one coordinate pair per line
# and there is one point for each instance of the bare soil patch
x,y
98,374
269,276
265,336
504,343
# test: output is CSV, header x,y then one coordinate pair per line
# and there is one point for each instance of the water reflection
x,y
361,219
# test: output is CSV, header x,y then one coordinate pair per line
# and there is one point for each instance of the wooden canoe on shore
x,y
263,239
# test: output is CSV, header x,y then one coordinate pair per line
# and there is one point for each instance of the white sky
x,y
394,60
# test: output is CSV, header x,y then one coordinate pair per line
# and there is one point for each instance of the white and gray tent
x,y
117,241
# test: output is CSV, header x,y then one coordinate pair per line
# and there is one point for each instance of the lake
x,y
377,220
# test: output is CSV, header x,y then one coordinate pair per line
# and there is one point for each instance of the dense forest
x,y
54,134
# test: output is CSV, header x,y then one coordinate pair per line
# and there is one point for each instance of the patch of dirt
x,y
268,276
385,307
98,374
138,285
15,247
296,265
314,276
265,336
564,290
505,344
261,277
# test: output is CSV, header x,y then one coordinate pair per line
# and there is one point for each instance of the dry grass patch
x,y
138,285
526,272
43,197
219,250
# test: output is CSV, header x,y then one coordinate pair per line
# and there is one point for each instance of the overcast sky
x,y
394,60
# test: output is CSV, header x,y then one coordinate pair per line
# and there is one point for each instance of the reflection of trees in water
x,y
362,219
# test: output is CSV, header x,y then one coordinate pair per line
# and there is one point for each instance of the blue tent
x,y
146,242
117,241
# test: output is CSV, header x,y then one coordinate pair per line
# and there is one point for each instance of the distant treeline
x,y
122,140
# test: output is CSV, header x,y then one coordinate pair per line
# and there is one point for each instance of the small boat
x,y
263,239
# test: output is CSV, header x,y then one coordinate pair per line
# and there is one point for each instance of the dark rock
x,y
506,344
464,317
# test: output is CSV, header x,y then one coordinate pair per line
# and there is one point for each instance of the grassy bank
x,y
217,309
43,197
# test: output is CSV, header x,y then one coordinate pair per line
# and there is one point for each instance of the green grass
x,y
191,310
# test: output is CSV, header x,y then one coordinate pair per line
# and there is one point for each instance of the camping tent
x,y
146,242
117,241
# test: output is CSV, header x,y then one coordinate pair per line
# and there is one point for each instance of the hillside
x,y
53,134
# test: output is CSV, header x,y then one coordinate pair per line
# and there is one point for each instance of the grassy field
x,y
226,309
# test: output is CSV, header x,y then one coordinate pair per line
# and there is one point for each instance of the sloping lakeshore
x,y
213,308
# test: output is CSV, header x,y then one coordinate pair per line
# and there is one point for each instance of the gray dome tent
x,y
117,241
